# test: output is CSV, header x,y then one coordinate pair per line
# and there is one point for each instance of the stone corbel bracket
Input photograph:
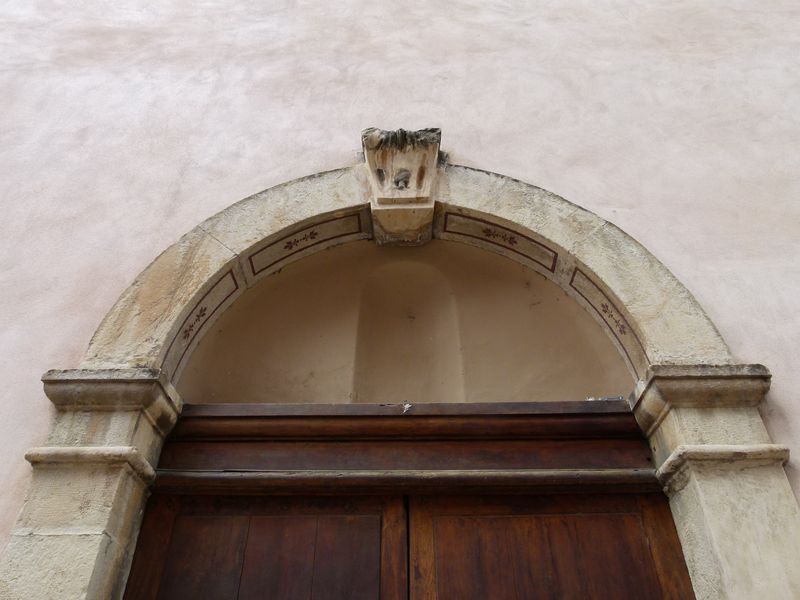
x,y
402,168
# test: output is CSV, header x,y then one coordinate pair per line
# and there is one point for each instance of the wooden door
x,y
548,547
277,548
500,502
461,548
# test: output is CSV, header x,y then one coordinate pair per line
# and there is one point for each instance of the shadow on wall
x,y
443,322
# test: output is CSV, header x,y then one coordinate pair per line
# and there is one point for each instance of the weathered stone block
x,y
59,567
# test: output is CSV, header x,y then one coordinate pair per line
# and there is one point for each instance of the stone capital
x,y
120,390
697,386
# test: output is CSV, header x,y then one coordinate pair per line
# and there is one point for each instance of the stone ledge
x,y
697,386
93,455
143,389
674,473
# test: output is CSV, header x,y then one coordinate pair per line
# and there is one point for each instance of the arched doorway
x,y
356,417
696,407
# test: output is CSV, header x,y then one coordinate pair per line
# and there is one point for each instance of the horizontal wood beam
x,y
590,419
578,407
402,481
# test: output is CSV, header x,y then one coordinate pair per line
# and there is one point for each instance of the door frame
x,y
590,454
424,448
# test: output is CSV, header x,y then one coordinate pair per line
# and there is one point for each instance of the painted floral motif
x,y
293,243
492,234
609,314
187,333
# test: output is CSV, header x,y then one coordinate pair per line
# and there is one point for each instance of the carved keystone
x,y
402,171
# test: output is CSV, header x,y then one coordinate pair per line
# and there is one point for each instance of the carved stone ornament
x,y
402,171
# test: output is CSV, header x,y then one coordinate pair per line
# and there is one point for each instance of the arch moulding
x,y
736,515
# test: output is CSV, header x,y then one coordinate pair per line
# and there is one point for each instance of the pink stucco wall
x,y
124,124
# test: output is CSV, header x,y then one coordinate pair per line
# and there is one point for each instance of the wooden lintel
x,y
399,481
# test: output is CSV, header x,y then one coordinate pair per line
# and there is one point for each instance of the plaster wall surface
x,y
125,124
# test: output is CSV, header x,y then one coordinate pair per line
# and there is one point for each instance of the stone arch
x,y
649,315
695,405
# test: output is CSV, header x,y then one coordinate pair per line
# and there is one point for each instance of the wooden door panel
x,y
489,557
230,548
150,558
312,557
279,560
347,564
205,558
595,554
557,547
